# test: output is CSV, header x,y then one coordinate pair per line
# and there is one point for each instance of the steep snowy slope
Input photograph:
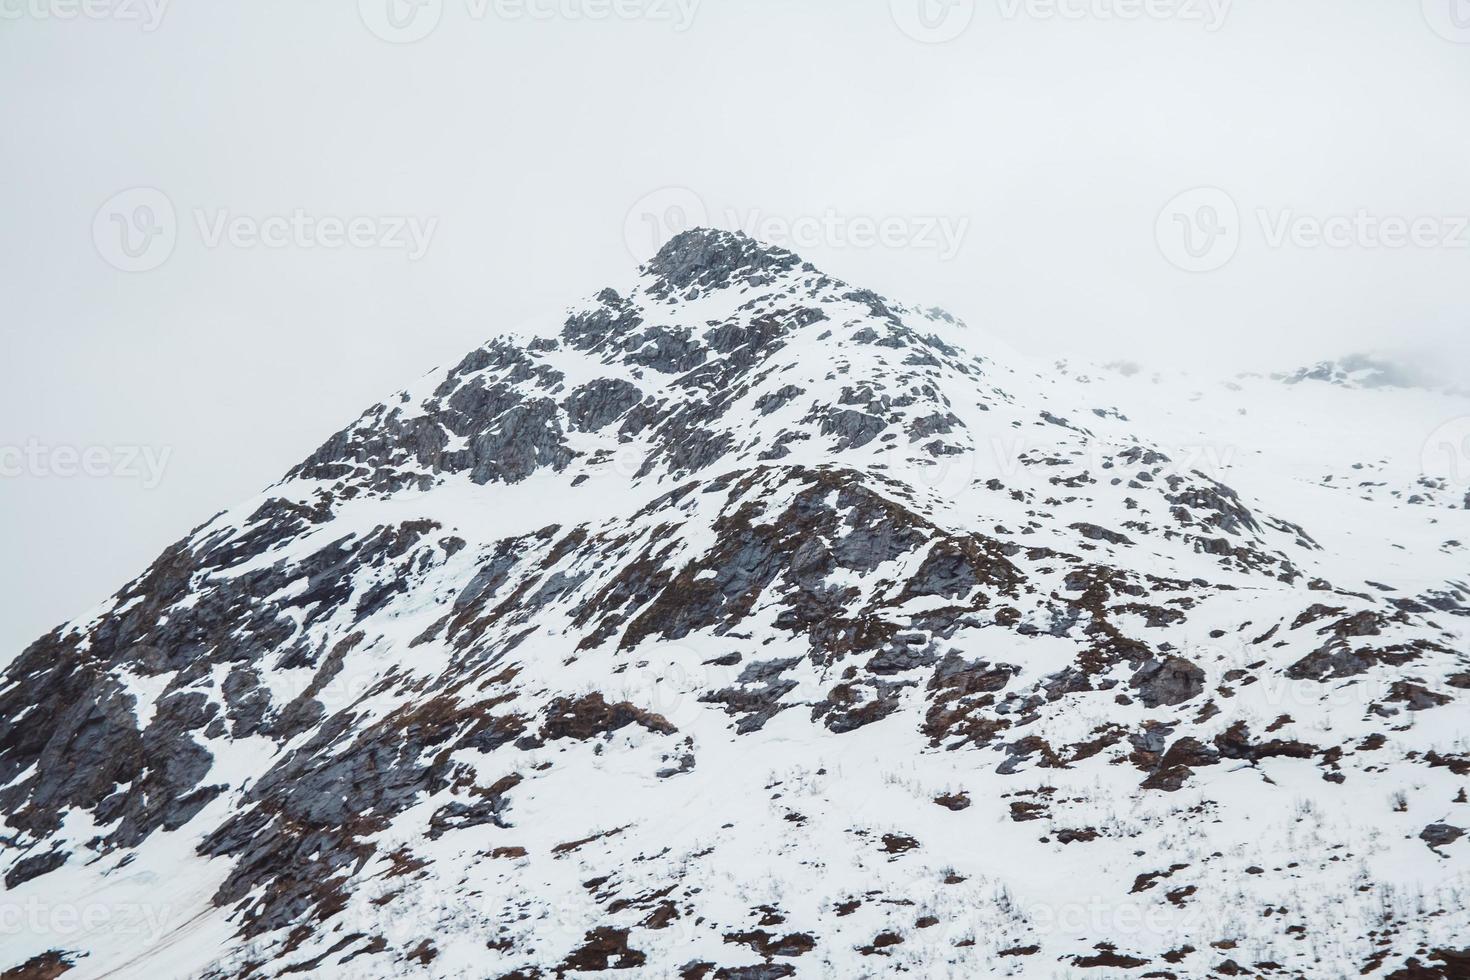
x,y
748,624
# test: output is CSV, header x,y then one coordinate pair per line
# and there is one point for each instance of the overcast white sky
x,y
1021,157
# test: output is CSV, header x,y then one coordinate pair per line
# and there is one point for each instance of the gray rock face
x,y
302,822
767,404
600,403
80,734
525,439
853,429
947,572
702,260
1173,680
488,400
1094,533
756,697
1438,835
34,866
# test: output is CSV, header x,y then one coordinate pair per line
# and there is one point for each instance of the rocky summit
x,y
750,624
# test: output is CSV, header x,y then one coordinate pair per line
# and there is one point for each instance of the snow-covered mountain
x,y
748,624
1365,371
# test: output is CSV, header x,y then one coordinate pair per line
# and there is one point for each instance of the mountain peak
x,y
1361,370
701,259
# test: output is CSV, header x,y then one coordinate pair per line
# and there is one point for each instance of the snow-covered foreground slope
x,y
747,624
